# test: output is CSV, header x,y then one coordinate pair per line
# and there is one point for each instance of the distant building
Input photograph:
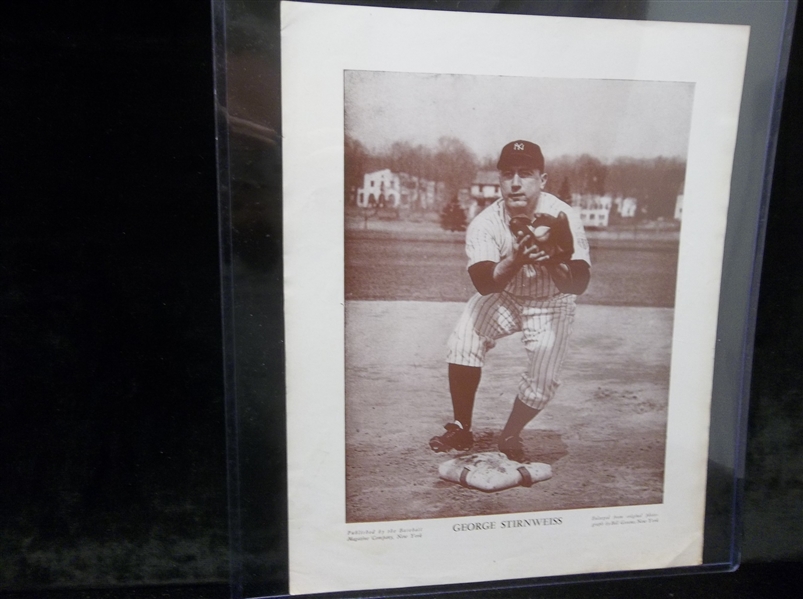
x,y
380,189
626,207
420,193
484,190
594,210
386,189
485,185
679,202
679,207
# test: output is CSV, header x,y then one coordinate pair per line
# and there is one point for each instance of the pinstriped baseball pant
x,y
545,326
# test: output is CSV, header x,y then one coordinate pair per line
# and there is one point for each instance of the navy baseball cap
x,y
521,154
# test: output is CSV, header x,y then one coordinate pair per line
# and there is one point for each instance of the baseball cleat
x,y
512,448
455,437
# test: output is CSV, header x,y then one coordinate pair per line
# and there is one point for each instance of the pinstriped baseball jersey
x,y
530,303
489,238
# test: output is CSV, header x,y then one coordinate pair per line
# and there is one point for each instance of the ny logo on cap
x,y
518,146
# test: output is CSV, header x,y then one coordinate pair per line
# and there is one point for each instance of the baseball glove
x,y
551,234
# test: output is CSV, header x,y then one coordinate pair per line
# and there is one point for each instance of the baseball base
x,y
492,472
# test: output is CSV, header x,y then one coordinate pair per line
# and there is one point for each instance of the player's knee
x,y
465,351
466,346
455,345
542,341
537,393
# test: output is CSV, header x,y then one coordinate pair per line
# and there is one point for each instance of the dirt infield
x,y
603,434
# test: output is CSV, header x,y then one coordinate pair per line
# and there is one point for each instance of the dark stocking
x,y
463,383
520,415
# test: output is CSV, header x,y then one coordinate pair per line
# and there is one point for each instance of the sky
x,y
604,118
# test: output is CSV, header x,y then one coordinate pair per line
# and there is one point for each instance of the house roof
x,y
486,178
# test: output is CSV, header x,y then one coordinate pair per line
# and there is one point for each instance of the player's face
x,y
521,188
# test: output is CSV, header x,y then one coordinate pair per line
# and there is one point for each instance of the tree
x,y
565,192
356,164
401,157
654,182
451,165
453,217
590,175
456,164
488,163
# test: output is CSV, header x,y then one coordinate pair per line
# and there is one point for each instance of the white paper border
x,y
319,42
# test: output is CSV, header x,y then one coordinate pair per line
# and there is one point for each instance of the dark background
x,y
112,435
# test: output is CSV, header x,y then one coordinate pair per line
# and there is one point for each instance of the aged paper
x,y
356,71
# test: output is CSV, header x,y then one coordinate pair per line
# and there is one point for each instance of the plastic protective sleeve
x,y
247,82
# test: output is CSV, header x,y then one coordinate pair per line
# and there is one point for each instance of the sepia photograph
x,y
501,283
462,338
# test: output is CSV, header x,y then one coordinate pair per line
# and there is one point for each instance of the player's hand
x,y
527,251
534,255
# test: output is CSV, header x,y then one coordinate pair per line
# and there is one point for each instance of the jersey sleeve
x,y
581,251
481,246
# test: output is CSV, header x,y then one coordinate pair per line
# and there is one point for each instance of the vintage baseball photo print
x,y
549,345
502,269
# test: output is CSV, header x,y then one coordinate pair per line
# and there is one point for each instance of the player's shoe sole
x,y
454,438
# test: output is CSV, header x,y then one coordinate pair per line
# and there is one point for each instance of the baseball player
x,y
528,259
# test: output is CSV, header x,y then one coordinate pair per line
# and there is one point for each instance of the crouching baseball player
x,y
528,259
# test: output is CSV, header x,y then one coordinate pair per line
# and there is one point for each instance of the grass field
x,y
394,267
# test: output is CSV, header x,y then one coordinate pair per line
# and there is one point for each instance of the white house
x,y
594,210
484,190
679,207
380,188
386,189
485,185
419,193
626,207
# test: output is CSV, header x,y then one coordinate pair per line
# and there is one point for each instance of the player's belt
x,y
523,299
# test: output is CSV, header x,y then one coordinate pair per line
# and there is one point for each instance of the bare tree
x,y
456,164
356,161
